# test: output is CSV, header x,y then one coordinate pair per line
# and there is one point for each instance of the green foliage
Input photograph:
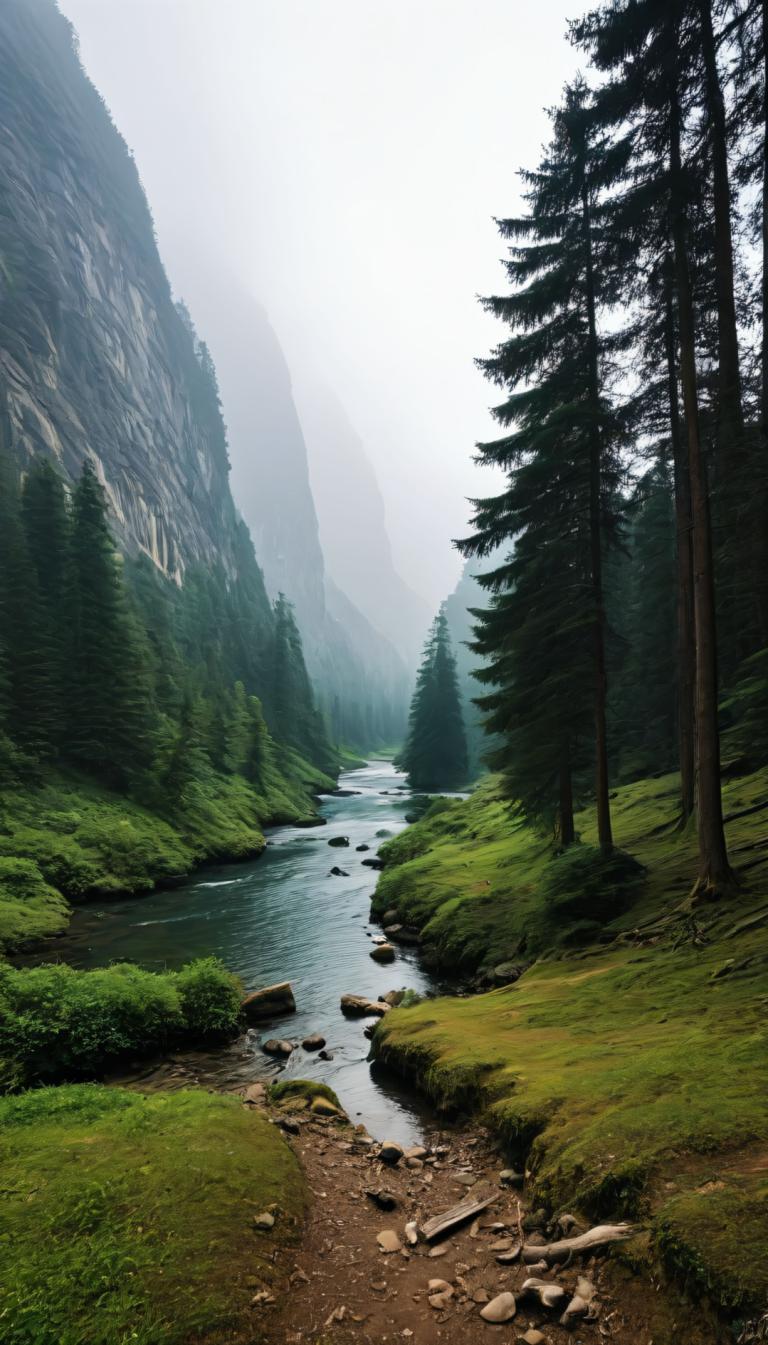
x,y
435,752
58,1023
30,908
126,1217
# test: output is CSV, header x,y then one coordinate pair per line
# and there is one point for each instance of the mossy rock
x,y
305,1089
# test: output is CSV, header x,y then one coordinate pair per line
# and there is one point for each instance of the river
x,y
282,917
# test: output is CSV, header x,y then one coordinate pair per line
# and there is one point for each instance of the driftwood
x,y
457,1214
600,1236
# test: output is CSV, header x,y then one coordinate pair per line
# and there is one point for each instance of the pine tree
x,y
562,464
435,753
111,713
296,721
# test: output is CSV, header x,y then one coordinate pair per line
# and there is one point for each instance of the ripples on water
x,y
284,917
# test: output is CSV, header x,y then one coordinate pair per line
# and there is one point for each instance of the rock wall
x,y
95,360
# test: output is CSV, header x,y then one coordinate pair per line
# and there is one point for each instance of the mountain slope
x,y
353,529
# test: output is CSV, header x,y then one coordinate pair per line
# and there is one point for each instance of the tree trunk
x,y
715,874
761,503
604,830
565,812
730,423
686,646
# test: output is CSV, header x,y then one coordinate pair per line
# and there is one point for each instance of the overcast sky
x,y
345,159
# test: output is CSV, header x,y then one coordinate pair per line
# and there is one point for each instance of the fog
x,y
343,160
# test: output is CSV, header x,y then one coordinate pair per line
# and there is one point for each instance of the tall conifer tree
x,y
435,753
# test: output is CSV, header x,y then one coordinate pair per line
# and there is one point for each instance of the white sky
x,y
345,158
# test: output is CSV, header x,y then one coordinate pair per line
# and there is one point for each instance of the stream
x,y
281,917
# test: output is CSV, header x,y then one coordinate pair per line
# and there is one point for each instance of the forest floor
x,y
340,1285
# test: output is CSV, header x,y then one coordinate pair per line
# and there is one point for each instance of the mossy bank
x,y
628,1063
66,839
133,1218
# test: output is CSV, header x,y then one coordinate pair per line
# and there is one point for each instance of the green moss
x,y
130,1219
303,1088
614,1070
29,907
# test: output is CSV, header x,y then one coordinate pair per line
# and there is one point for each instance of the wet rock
x,y
278,1048
373,863
336,872
394,997
383,1200
325,1055
511,1178
264,1221
361,848
269,1002
502,1308
256,1094
391,1152
383,953
363,1007
340,842
313,1042
389,1241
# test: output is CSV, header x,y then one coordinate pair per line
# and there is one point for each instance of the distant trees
x,y
108,667
634,443
435,753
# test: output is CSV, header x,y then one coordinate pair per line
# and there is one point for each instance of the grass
x,y
128,1218
631,1075
80,841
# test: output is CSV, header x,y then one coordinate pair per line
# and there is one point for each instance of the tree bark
x,y
686,645
730,422
762,492
715,873
604,829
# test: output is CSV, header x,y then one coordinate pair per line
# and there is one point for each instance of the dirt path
x,y
344,1287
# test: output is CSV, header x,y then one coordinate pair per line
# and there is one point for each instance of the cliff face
x,y
94,358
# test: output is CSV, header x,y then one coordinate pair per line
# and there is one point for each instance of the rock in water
x,y
366,1008
270,1002
502,1308
336,872
384,952
313,1042
340,842
279,1048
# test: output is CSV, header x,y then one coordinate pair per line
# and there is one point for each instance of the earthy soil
x,y
341,1286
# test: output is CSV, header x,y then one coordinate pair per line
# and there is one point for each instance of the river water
x,y
283,917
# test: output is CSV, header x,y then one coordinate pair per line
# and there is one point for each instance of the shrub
x,y
581,891
57,1023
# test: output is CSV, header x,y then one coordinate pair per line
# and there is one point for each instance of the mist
x,y
342,164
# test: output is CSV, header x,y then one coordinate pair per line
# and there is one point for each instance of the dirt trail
x,y
343,1287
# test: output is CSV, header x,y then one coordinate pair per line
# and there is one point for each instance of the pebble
x,y
437,1251
391,1152
276,1047
511,1178
411,1233
532,1337
466,1178
502,1308
264,1221
313,1042
441,1300
389,1241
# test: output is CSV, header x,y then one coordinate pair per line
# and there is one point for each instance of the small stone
x,y
325,1055
415,1164
389,1241
277,1047
313,1042
438,1286
502,1308
434,1252
532,1337
379,1286
264,1221
383,953
417,1151
481,1296
383,1199
390,1152
440,1301
255,1093
411,1233
466,1178
339,841
511,1178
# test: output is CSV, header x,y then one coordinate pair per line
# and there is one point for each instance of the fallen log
x,y
457,1214
600,1236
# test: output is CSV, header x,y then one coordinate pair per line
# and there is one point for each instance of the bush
x,y
57,1023
581,891
29,907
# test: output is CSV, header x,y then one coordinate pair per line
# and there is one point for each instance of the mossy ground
x,y
128,1218
632,1075
78,840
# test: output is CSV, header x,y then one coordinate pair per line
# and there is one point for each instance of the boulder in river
x,y
383,952
374,863
339,841
275,1046
269,1002
313,1042
360,848
336,872
363,1007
